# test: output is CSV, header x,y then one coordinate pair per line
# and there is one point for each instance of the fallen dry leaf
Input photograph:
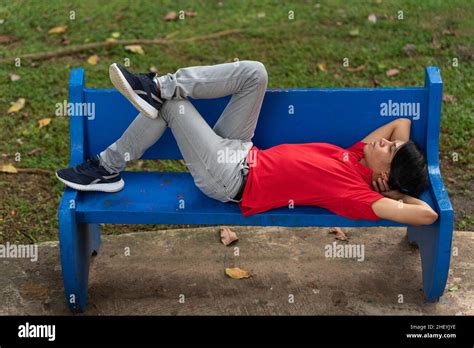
x,y
339,233
8,168
135,49
449,98
237,273
435,43
409,50
359,68
392,72
372,18
374,81
338,23
35,151
93,60
190,14
322,67
228,236
14,77
43,122
449,32
17,106
58,30
6,39
354,32
171,16
454,287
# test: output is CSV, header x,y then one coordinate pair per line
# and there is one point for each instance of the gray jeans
x,y
214,156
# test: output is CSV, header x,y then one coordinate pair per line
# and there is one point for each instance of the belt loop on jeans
x,y
245,166
245,171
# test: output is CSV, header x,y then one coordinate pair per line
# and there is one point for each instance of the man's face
x,y
379,154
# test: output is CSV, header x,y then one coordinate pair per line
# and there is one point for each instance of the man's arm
x,y
404,209
398,129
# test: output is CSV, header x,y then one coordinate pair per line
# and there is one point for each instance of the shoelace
x,y
87,165
145,81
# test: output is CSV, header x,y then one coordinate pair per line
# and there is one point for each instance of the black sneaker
x,y
91,176
139,89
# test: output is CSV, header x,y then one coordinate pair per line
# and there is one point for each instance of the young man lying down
x,y
365,181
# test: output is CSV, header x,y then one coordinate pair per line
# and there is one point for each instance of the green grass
x,y
290,50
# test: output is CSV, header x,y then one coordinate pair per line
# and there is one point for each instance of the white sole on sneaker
x,y
122,85
110,187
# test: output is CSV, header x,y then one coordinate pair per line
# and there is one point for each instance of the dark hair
x,y
408,170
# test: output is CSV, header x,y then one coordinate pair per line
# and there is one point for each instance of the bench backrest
x,y
296,115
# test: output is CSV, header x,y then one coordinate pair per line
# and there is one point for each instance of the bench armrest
x,y
76,122
439,192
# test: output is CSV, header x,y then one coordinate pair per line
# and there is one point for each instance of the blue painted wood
x,y
75,250
319,116
74,238
76,120
338,116
434,241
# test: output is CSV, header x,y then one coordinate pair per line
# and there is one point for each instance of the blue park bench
x,y
338,116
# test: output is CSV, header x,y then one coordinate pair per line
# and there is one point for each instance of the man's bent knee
x,y
174,108
261,72
257,70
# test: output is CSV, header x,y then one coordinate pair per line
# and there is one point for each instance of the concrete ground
x,y
181,272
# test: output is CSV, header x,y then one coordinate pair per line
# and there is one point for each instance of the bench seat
x,y
157,198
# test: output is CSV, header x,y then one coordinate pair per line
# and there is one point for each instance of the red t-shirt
x,y
320,174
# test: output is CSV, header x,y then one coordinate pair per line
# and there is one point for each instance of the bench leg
x,y
434,243
77,243
411,236
94,232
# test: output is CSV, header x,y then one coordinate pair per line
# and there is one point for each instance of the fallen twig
x,y
35,171
79,48
27,235
31,171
